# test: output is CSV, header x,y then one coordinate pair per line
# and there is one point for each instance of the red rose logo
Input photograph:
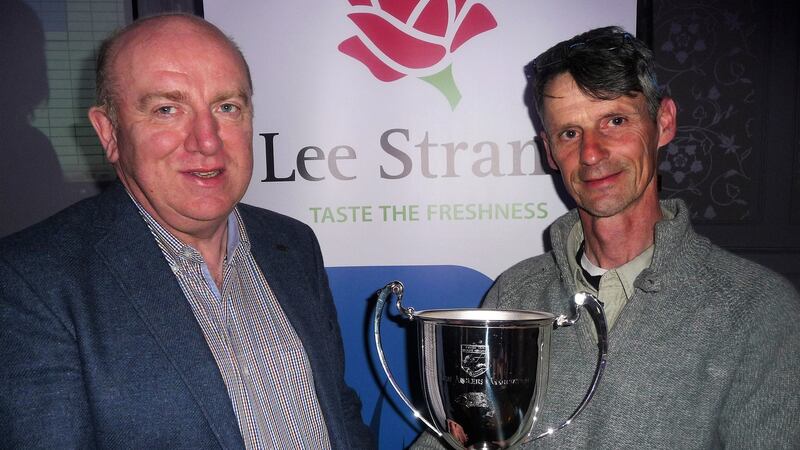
x,y
399,38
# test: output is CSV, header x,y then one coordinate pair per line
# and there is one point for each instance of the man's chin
x,y
209,213
204,211
602,209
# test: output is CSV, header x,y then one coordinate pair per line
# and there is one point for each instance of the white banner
x,y
399,132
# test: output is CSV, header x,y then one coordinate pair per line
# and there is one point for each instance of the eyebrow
x,y
240,94
174,96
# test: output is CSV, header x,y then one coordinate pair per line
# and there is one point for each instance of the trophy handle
x,y
396,288
595,309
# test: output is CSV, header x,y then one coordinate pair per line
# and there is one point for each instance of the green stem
x,y
444,82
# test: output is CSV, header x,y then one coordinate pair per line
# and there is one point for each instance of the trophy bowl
x,y
484,372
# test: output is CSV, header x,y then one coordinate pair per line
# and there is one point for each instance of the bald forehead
x,y
151,33
150,30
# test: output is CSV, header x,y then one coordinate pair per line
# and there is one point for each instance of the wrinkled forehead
x,y
558,88
563,86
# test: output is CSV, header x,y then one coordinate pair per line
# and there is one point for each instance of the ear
x,y
105,131
666,121
550,161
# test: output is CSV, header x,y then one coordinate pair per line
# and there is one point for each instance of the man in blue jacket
x,y
163,313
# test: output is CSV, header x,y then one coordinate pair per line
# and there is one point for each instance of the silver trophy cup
x,y
484,371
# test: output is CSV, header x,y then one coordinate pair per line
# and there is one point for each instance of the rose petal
x,y
433,19
355,48
459,5
361,2
399,8
478,20
400,47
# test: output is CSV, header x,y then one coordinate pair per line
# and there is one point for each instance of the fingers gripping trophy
x,y
484,371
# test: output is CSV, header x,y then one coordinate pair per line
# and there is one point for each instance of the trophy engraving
x,y
473,359
484,372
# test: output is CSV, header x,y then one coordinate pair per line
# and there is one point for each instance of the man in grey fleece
x,y
704,346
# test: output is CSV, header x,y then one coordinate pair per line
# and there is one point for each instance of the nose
x,y
203,134
593,149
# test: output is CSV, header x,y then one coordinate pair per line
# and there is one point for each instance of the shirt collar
x,y
627,272
177,250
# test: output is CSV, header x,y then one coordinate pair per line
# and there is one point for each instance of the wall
x,y
732,67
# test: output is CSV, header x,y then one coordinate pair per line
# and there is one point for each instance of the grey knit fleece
x,y
706,353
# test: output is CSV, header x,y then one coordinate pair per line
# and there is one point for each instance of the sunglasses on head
x,y
566,49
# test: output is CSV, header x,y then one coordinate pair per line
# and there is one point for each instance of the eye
x,y
229,108
569,134
166,110
616,121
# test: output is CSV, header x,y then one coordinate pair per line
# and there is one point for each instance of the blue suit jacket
x,y
100,348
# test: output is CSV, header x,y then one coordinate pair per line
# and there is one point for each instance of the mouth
x,y
206,173
599,179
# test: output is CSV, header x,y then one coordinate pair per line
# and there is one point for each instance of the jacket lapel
x,y
134,259
282,265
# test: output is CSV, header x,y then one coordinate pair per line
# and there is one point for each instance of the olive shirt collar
x,y
616,285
